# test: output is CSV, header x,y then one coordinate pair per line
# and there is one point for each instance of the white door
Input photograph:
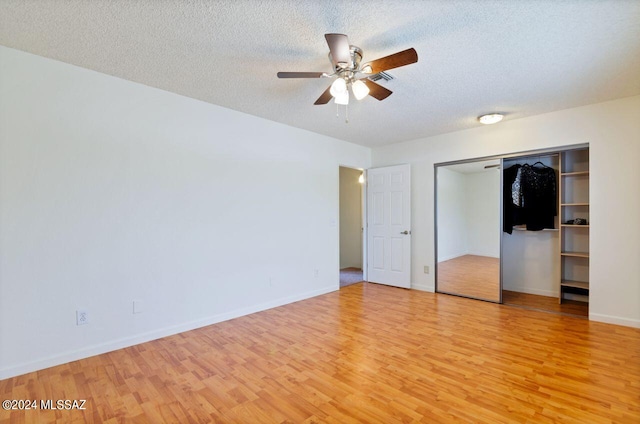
x,y
389,225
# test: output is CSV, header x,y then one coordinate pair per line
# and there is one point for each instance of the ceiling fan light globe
x,y
338,87
360,90
342,99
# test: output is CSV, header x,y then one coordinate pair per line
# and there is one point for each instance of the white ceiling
x,y
518,57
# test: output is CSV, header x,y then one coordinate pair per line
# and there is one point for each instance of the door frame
x,y
363,219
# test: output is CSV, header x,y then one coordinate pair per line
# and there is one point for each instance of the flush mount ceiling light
x,y
491,118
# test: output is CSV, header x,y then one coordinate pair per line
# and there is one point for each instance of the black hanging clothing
x,y
529,197
539,196
508,208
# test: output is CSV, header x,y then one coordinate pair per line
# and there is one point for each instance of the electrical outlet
x,y
137,307
82,317
426,269
316,273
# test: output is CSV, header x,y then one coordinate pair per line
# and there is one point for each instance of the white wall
x,y
612,130
350,218
531,262
111,192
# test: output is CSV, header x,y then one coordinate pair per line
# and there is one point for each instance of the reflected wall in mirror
x,y
468,229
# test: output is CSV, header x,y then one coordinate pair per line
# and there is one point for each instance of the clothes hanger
x,y
541,164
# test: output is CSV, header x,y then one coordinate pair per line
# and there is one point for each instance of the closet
x,y
530,262
541,254
549,257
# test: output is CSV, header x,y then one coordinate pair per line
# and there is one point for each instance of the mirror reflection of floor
x,y
545,303
471,275
478,277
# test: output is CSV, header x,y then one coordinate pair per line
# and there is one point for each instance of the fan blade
x,y
324,98
376,90
395,60
340,50
301,74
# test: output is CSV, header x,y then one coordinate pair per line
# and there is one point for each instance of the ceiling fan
x,y
348,71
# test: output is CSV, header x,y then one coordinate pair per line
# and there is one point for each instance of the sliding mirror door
x,y
468,230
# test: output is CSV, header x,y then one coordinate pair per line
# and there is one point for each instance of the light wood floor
x,y
470,275
545,303
366,353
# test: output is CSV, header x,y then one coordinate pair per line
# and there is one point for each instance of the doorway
x,y
351,226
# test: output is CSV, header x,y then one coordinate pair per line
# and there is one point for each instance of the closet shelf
x,y
574,174
532,231
574,226
576,254
574,204
575,284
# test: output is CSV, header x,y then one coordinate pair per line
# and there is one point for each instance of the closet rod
x,y
530,157
550,155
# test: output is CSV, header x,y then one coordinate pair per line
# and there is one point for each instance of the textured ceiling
x,y
518,57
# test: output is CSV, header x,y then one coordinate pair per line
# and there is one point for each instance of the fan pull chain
x,y
346,113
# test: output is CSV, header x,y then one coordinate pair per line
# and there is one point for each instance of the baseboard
x,y
609,319
449,257
423,287
110,346
486,254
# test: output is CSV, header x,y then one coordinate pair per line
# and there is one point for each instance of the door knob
x,y
405,232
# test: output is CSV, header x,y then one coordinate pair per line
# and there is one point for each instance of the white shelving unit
x,y
573,195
